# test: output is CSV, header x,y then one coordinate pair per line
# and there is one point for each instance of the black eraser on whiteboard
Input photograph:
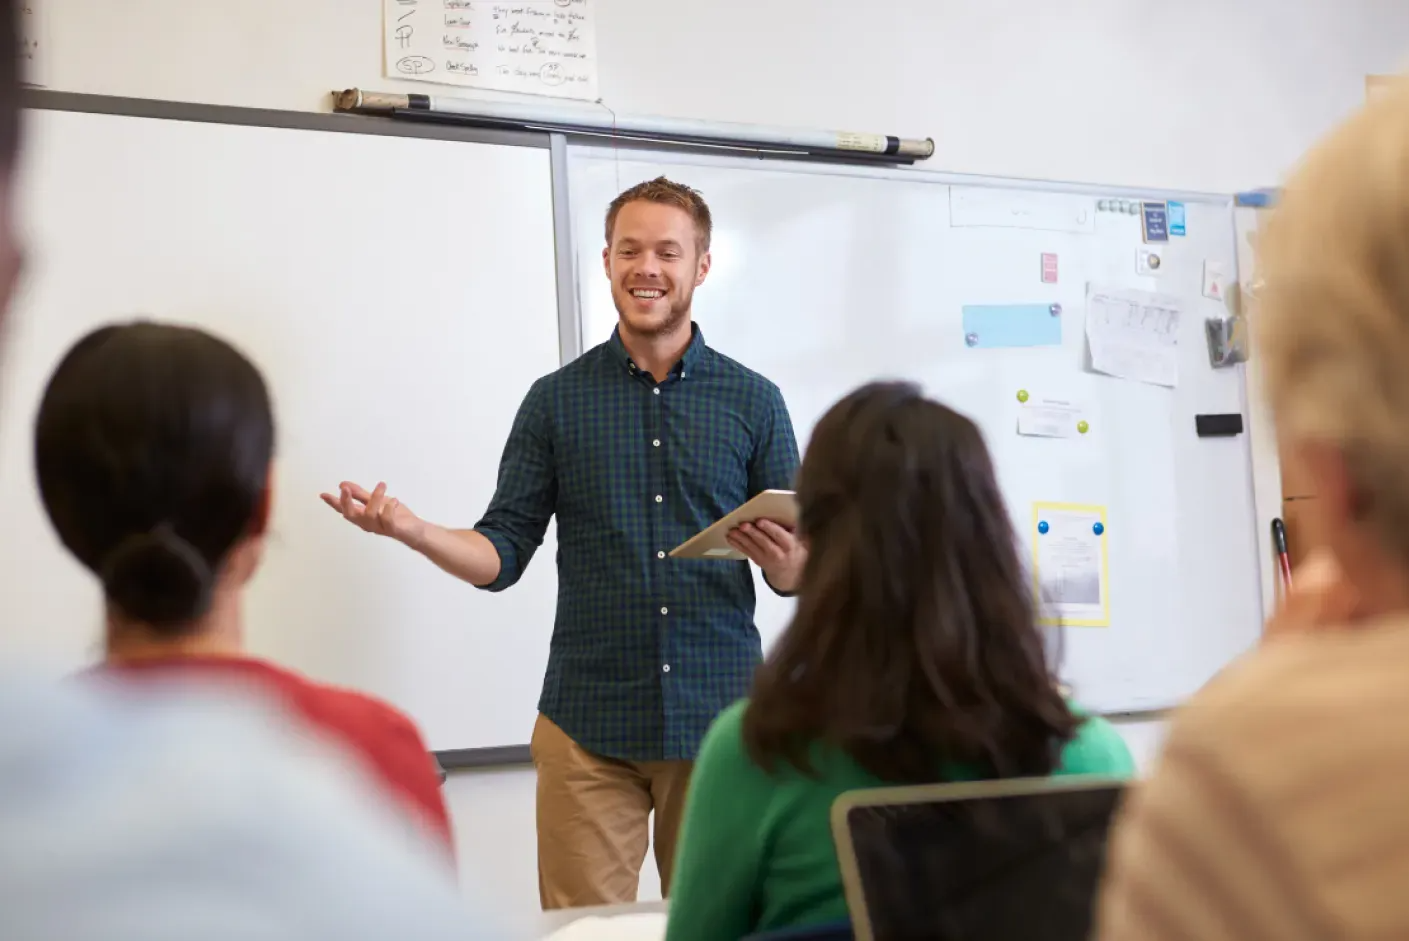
x,y
1218,426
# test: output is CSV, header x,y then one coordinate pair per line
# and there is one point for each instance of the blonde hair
x,y
1331,324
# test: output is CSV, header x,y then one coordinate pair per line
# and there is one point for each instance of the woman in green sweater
x,y
914,657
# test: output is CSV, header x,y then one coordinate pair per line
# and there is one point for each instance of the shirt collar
x,y
690,362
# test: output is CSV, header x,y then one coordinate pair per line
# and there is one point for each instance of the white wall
x,y
1199,94
1195,94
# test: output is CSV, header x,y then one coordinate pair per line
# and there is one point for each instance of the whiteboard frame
x,y
564,148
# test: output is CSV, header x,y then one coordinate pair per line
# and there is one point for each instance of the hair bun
x,y
157,578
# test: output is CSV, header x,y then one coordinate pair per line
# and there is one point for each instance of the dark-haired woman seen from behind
x,y
914,657
153,452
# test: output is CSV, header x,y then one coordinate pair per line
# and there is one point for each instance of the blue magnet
x,y
971,339
1042,527
1055,310
1098,528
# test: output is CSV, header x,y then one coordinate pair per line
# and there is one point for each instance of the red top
x,y
386,739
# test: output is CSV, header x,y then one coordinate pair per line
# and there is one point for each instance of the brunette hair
x,y
915,643
152,451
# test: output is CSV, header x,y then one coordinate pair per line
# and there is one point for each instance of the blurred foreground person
x,y
163,812
1278,809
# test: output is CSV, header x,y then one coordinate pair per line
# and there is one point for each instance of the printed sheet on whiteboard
x,y
1070,564
539,47
1134,334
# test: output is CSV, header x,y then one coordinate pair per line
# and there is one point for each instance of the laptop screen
x,y
1001,867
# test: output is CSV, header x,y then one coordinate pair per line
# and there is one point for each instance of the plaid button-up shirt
x,y
646,649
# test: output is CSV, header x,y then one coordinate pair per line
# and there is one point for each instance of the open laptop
x,y
1016,860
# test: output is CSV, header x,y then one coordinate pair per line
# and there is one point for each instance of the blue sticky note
x,y
1156,218
1176,219
1257,199
987,326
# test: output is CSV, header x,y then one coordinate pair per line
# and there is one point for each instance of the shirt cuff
x,y
508,560
777,591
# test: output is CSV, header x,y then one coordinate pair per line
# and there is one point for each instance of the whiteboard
x,y
399,295
825,278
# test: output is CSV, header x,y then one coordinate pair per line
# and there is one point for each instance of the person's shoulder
x,y
368,711
236,779
589,363
729,368
1296,694
1098,748
547,388
724,758
371,721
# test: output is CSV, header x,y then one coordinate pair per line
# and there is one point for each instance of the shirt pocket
x,y
711,462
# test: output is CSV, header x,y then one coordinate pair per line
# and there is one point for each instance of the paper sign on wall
x,y
538,48
1049,268
34,44
1134,334
1215,280
1050,418
1176,219
1155,221
1070,564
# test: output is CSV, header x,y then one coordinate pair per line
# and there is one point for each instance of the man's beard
x,y
679,311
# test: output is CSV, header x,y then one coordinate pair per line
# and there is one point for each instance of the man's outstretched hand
x,y
374,512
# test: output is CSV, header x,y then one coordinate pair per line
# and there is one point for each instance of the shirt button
x,y
656,443
659,498
661,554
665,668
664,610
656,390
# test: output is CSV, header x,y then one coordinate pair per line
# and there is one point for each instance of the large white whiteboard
x,y
399,294
825,278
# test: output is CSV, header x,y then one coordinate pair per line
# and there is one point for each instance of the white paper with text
x,y
34,41
539,47
1134,334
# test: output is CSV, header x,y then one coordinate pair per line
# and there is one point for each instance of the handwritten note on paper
x,y
542,47
33,43
1134,334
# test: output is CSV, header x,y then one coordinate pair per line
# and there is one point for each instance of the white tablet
x,y
780,506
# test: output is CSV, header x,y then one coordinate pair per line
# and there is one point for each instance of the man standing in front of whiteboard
x,y
637,445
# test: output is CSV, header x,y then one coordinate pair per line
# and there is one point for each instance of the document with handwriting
x,y
34,45
1134,334
541,47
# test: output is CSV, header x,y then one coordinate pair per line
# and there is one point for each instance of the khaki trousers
x,y
593,814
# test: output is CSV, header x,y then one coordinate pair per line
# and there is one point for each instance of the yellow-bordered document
x,y
1070,564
